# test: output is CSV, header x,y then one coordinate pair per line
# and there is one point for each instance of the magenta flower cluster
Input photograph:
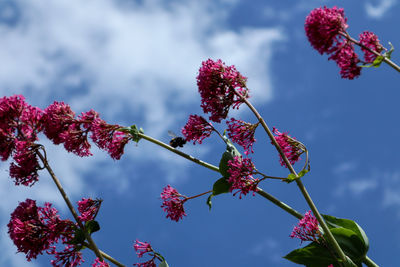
x,y
221,87
173,203
197,129
36,229
21,123
242,133
143,248
241,176
88,209
326,30
98,263
289,147
307,229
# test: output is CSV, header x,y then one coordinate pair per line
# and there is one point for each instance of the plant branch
x,y
106,256
68,202
385,59
303,190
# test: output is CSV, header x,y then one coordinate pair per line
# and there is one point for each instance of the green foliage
x,y
351,238
221,186
134,131
291,177
92,226
379,59
163,264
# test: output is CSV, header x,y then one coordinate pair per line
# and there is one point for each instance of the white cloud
x,y
378,11
134,59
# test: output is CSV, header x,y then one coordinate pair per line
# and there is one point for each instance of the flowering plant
x,y
35,229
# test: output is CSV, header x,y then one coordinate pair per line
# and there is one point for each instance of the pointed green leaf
x,y
291,177
312,255
79,237
350,243
228,155
221,186
92,226
163,264
303,172
334,222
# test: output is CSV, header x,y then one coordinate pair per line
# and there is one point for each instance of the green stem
x,y
369,262
180,153
106,256
68,202
385,59
303,190
262,193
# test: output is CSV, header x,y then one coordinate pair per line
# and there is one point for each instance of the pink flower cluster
x,y
35,229
242,133
326,30
99,263
197,129
143,248
307,228
21,123
221,87
289,147
88,209
241,176
173,203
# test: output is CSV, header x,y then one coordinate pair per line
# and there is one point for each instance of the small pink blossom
x,y
70,256
99,263
241,176
307,228
217,84
197,129
347,60
25,166
242,133
57,120
88,209
142,248
370,40
173,203
289,147
323,26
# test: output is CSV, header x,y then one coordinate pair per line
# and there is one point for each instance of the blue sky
x,y
135,62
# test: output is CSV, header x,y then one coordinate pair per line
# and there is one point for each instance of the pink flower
x,y
57,120
173,203
70,256
217,84
88,209
370,40
197,129
99,263
347,60
25,166
307,228
241,176
242,133
322,28
289,147
106,137
142,248
34,229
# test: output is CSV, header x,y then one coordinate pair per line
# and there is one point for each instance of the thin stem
x,y
303,190
69,204
269,177
180,153
385,59
262,193
106,256
369,262
199,195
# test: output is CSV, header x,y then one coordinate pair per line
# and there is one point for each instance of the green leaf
x,y
312,255
163,264
291,177
350,243
208,202
135,131
221,186
334,222
228,155
92,226
79,237
303,172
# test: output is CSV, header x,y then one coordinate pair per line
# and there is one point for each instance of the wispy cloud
x,y
378,10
